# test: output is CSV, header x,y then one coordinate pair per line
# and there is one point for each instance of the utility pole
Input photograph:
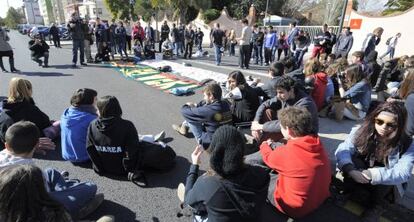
x,y
341,23
267,8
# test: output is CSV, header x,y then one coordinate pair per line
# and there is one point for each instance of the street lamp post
x,y
267,8
341,23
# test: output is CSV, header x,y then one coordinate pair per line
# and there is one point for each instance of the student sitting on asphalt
x,y
205,117
230,190
79,199
20,105
74,125
377,159
137,52
167,49
274,72
316,81
114,146
244,99
266,125
149,51
356,99
301,175
39,48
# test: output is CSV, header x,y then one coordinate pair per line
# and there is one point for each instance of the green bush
x,y
210,15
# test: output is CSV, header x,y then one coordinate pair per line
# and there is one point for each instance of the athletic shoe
x,y
84,64
181,129
160,136
91,206
181,192
106,218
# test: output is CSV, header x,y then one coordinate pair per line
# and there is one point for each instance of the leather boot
x,y
2,66
12,68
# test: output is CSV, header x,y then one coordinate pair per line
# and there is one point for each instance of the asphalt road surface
x,y
151,110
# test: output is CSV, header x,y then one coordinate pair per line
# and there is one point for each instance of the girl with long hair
x,y
377,157
230,190
244,99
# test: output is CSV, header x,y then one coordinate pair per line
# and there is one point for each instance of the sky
x,y
12,3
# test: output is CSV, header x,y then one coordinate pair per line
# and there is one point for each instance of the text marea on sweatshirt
x,y
109,149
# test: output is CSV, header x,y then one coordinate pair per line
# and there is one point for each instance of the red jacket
x,y
304,174
318,93
138,32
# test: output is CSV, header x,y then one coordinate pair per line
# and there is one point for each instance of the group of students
x,y
90,130
376,159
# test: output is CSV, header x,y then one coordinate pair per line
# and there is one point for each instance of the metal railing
x,y
313,30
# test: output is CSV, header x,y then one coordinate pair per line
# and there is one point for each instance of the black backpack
x,y
5,122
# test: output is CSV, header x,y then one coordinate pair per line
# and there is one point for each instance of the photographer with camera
x,y
39,48
77,30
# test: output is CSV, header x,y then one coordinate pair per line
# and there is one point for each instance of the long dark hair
x,y
239,77
226,152
23,197
366,137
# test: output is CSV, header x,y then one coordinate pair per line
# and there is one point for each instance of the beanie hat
x,y
227,151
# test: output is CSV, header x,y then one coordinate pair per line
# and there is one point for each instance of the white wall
x,y
402,23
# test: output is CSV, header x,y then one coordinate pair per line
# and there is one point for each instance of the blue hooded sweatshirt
x,y
74,125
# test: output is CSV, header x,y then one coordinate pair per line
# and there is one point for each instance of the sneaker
x,y
181,192
160,136
84,64
106,218
181,129
3,70
45,66
65,174
74,65
372,214
91,206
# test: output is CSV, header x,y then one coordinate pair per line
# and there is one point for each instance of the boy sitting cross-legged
x,y
79,199
301,169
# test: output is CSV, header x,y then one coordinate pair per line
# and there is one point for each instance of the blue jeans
x,y
177,48
73,195
78,45
299,57
122,48
197,130
217,53
391,51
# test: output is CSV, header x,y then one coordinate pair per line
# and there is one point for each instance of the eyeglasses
x,y
390,125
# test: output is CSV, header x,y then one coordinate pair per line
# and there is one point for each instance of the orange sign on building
x,y
355,23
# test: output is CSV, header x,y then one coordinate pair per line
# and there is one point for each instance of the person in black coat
x,y
245,100
20,106
39,48
54,32
230,190
114,146
267,90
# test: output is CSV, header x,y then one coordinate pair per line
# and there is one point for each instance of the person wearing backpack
x,y
391,43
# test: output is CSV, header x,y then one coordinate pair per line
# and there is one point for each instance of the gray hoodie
x,y
344,43
8,159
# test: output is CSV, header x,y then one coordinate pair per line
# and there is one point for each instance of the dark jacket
x,y
409,105
260,38
210,115
320,37
189,36
374,67
27,111
244,109
301,100
269,88
101,33
78,31
369,44
165,31
108,141
54,31
218,36
38,49
238,199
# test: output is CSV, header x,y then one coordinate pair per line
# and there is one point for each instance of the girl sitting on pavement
x,y
378,157
230,190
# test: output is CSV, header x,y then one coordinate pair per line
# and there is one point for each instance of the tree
x,y
13,18
2,22
393,6
355,5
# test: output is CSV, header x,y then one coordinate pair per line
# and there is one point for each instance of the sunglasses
x,y
390,125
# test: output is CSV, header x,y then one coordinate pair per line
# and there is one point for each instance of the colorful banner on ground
x,y
152,77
